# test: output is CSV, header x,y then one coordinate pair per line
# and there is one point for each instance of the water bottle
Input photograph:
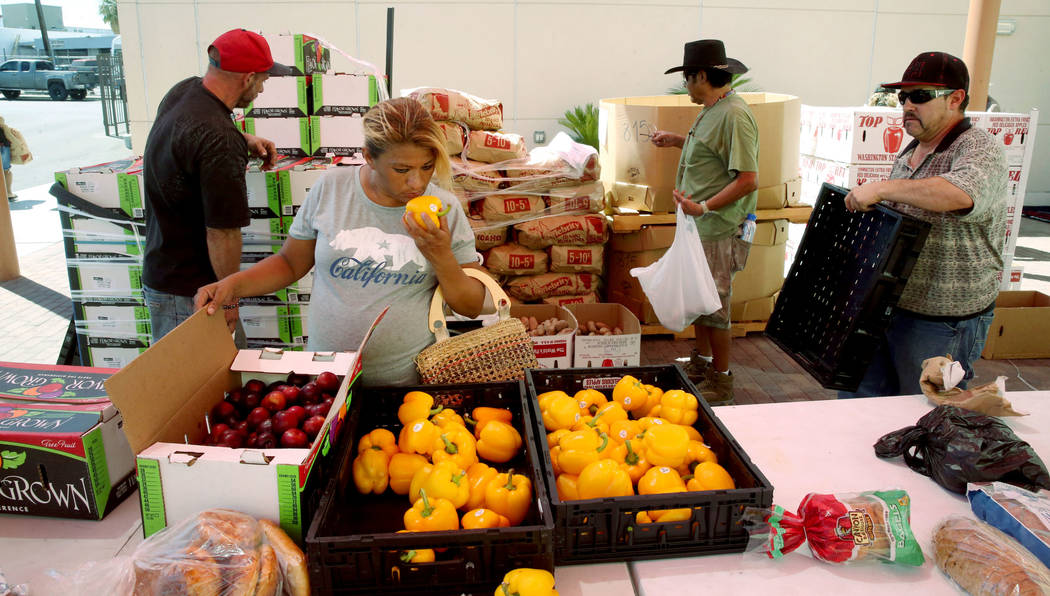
x,y
747,229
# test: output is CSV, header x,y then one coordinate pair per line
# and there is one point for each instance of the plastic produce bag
x,y
1020,513
679,285
954,446
985,561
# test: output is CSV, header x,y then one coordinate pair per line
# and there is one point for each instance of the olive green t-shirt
x,y
722,142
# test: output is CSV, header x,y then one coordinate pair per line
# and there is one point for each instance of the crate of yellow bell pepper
x,y
637,467
440,489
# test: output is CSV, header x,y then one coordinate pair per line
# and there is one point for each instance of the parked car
x,y
17,76
87,66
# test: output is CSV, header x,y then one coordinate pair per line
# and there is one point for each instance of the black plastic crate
x,y
848,275
604,530
352,546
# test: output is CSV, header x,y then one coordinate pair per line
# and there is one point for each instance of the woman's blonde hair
x,y
405,120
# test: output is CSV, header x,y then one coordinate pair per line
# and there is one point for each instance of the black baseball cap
x,y
935,69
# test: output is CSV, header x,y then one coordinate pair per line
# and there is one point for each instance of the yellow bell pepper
x,y
498,441
417,555
695,453
651,401
622,430
431,515
562,411
595,422
509,495
370,471
416,405
611,413
659,480
483,518
590,400
427,206
455,443
665,444
381,439
664,515
478,477
677,407
448,417
544,399
710,476
632,460
417,437
403,466
579,448
443,480
647,421
604,478
568,487
694,435
484,413
554,437
556,459
630,393
527,582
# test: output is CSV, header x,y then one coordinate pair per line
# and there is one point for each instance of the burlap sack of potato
x,y
486,237
450,104
503,207
939,377
536,287
577,259
567,230
585,198
588,298
455,136
514,259
493,147
477,176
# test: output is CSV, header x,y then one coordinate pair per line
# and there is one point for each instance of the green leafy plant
x,y
738,82
582,124
107,9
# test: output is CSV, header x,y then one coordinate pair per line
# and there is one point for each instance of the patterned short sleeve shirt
x,y
956,274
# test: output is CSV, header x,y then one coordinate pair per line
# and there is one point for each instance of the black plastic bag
x,y
955,446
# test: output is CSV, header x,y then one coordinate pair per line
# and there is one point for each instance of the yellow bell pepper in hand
x,y
416,405
710,476
478,477
630,393
498,441
417,437
665,444
527,582
443,480
604,478
562,411
678,407
696,453
370,471
568,487
590,400
403,467
427,206
579,448
431,515
417,555
455,443
631,459
483,518
659,480
509,495
381,439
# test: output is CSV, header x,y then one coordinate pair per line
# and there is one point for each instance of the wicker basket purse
x,y
499,352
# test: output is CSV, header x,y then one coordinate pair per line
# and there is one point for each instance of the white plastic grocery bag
x,y
679,285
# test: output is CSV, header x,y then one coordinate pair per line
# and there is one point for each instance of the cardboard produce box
x,y
105,278
626,124
1021,327
627,251
118,317
337,135
114,187
607,350
164,395
90,237
304,54
756,309
291,136
552,351
816,171
343,94
764,273
779,196
62,451
282,97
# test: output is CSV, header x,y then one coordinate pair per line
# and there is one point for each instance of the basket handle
x,y
437,303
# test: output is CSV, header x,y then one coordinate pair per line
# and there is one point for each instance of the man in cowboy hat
x,y
193,170
953,176
716,184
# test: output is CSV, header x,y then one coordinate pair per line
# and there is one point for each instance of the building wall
x,y
541,57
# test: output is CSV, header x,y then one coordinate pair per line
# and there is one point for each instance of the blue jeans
x,y
166,311
896,366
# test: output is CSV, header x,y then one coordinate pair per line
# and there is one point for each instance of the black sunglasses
x,y
922,95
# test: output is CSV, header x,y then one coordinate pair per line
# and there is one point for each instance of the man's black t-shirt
x,y
193,169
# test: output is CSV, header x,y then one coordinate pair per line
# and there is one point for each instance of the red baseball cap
x,y
241,50
936,69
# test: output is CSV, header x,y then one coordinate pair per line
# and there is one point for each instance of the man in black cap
x,y
953,176
716,184
193,170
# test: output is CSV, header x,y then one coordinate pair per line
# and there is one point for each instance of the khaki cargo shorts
x,y
725,257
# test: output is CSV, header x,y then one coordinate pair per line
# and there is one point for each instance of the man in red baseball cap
x,y
953,176
193,170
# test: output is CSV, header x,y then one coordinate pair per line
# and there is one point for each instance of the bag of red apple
x,y
486,236
537,287
493,147
585,198
505,207
588,298
514,259
570,230
450,104
577,259
477,176
455,136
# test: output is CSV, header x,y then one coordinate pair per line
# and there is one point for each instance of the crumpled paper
x,y
939,378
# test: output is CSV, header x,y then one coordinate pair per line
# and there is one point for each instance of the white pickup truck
x,y
17,76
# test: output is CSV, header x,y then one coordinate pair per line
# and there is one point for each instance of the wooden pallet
x,y
740,329
632,223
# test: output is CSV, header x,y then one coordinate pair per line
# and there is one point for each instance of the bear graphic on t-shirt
x,y
373,243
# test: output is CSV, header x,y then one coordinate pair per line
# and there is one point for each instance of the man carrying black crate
x,y
193,170
716,184
953,176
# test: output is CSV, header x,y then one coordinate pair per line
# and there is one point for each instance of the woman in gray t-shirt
x,y
368,253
